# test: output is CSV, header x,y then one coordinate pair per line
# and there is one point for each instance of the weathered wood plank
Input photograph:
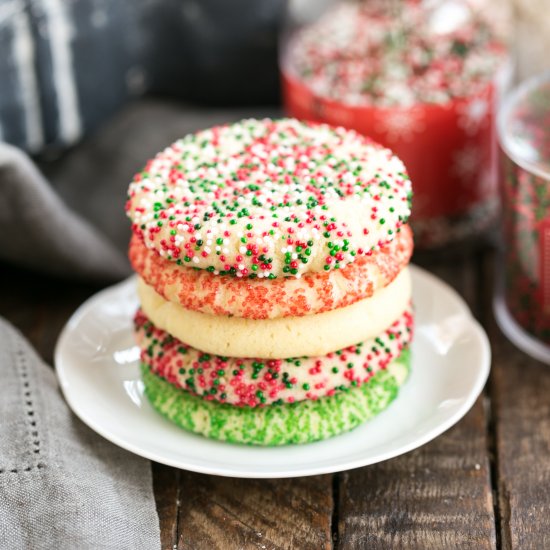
x,y
166,486
438,496
225,513
520,400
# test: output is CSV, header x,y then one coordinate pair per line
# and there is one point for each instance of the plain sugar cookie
x,y
279,338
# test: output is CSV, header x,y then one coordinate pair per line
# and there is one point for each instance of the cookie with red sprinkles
x,y
313,293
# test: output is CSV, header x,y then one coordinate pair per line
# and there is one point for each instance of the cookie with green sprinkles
x,y
301,422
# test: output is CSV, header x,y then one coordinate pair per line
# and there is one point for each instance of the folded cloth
x,y
37,230
61,485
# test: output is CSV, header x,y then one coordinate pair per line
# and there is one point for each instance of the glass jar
x,y
522,304
420,77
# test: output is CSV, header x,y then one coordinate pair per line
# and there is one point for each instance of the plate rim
x,y
475,391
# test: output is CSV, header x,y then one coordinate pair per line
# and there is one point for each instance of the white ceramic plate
x,y
96,362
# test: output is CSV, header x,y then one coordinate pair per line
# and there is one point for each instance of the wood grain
x,y
226,513
520,398
166,484
438,496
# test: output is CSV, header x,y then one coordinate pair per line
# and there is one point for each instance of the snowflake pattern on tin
x,y
472,115
466,163
400,124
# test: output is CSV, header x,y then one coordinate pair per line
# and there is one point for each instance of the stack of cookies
x,y
275,295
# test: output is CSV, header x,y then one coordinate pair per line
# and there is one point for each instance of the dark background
x,y
209,52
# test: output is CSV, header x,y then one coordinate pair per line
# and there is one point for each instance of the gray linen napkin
x,y
37,230
62,486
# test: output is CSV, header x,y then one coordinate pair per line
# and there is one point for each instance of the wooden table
x,y
483,484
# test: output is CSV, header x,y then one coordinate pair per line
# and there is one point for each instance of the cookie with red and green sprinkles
x,y
270,198
254,382
289,423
